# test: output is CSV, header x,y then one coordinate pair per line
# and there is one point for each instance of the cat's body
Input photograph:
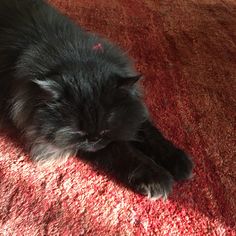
x,y
68,91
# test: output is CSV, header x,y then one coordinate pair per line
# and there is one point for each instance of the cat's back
x,y
17,31
28,20
14,12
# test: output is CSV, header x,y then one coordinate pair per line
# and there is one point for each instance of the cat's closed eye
x,y
79,133
84,134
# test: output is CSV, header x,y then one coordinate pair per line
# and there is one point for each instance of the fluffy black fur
x,y
68,91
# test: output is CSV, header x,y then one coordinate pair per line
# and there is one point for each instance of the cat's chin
x,y
94,148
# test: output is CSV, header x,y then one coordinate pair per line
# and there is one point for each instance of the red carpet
x,y
187,51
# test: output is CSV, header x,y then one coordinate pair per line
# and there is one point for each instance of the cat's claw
x,y
154,183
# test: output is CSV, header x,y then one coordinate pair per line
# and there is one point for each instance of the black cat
x,y
68,91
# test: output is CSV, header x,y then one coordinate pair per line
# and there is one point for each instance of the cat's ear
x,y
49,88
128,82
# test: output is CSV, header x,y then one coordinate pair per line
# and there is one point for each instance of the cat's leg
x,y
133,169
163,152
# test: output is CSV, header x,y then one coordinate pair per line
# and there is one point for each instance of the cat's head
x,y
87,111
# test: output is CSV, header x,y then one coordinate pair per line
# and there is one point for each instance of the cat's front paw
x,y
179,165
153,182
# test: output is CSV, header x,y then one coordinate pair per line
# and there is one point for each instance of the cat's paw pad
x,y
179,165
154,183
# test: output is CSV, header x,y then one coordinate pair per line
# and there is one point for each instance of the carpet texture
x,y
187,51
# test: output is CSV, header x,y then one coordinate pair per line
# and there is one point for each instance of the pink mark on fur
x,y
98,47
